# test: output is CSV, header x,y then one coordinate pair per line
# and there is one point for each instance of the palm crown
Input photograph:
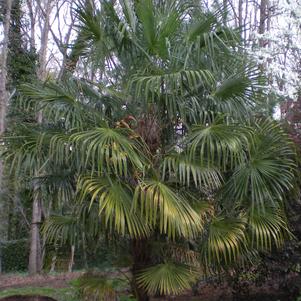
x,y
159,144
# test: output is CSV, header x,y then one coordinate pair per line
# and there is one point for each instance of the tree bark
x,y
71,261
35,262
3,77
141,258
263,11
35,255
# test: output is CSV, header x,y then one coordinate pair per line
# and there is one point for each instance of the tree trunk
x,y
70,60
71,261
35,257
35,262
141,258
3,77
263,20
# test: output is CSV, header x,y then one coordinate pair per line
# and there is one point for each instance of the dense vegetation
x,y
160,153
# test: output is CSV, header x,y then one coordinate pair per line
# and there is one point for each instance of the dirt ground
x,y
54,281
268,291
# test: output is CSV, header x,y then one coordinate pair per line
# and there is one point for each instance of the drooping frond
x,y
188,170
62,229
72,103
107,149
268,170
97,287
167,278
157,203
268,228
115,203
225,242
170,86
218,144
27,149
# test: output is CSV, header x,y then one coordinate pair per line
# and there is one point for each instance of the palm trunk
x,y
141,258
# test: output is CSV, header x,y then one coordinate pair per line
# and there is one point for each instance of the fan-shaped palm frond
x,y
95,287
226,241
62,229
73,103
27,150
167,278
115,203
159,203
189,170
171,86
268,170
218,144
268,228
107,149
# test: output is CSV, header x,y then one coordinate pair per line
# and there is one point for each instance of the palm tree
x,y
160,147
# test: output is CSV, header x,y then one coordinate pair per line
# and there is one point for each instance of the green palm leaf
x,y
97,287
106,149
62,229
167,278
268,171
268,228
115,203
226,241
187,171
219,144
159,203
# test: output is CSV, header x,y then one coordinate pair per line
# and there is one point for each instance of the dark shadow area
x,y
27,298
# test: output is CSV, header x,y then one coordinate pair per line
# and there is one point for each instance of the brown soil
x,y
55,281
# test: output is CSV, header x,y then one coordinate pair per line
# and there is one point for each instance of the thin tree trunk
x,y
71,262
35,262
262,20
70,61
3,90
35,255
240,20
3,77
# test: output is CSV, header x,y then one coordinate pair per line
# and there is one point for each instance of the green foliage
x,y
98,287
163,152
167,278
14,255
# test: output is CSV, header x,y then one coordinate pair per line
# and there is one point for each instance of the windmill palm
x,y
161,146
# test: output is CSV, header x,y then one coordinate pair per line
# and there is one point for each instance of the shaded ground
x,y
54,281
27,298
58,287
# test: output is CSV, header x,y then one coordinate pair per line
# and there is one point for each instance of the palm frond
x,y
159,203
62,229
220,144
226,241
115,203
71,103
189,170
268,228
106,149
268,171
167,278
96,287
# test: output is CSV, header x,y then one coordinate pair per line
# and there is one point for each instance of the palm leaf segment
x,y
159,203
115,203
167,278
